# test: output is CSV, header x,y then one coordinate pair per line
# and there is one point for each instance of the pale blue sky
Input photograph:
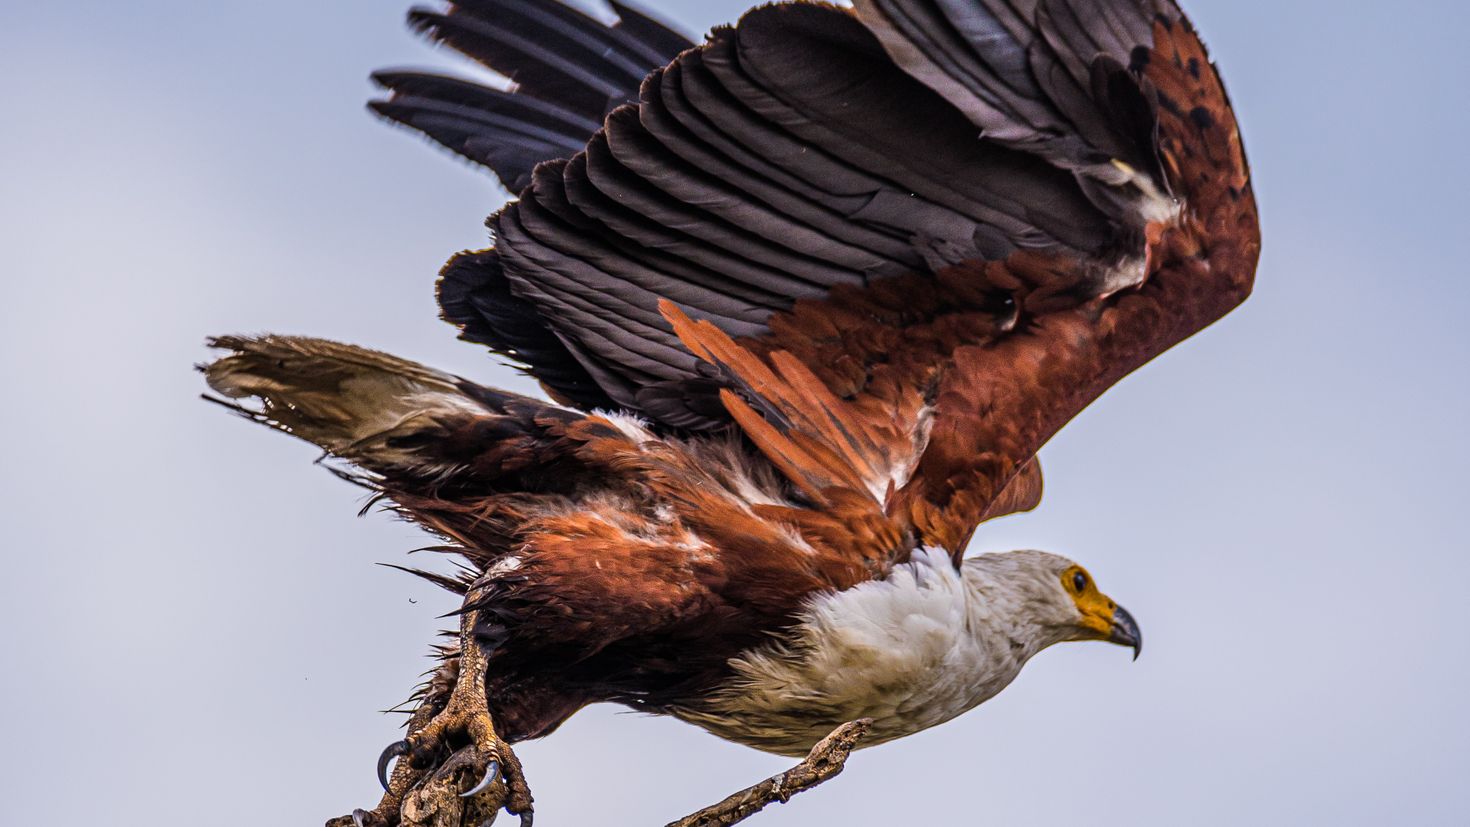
x,y
195,632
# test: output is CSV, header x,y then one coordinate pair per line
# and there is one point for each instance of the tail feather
x,y
405,424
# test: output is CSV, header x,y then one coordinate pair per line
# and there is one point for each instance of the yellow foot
x,y
458,766
453,768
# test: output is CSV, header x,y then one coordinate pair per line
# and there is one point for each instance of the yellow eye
x,y
1079,582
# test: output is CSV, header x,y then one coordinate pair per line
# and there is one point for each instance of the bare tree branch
x,y
825,760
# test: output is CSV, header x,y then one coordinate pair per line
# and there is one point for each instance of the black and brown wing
x,y
970,216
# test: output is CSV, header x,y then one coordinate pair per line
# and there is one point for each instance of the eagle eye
x,y
1079,582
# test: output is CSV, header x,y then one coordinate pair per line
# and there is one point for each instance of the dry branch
x,y
825,760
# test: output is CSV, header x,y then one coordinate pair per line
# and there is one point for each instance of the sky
x,y
194,627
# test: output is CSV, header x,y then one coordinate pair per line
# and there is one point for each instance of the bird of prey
x,y
806,299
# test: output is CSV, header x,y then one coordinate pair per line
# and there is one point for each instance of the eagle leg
x,y
451,760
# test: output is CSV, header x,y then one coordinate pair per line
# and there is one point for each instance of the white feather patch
x,y
911,651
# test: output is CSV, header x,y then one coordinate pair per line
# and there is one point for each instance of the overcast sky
x,y
194,630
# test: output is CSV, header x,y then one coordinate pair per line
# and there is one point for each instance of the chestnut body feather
x,y
810,298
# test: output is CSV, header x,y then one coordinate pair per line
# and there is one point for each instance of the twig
x,y
824,761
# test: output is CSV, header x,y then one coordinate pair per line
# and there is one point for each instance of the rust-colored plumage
x,y
810,297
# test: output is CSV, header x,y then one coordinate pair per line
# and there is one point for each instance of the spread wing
x,y
899,246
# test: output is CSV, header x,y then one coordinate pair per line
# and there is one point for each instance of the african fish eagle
x,y
806,299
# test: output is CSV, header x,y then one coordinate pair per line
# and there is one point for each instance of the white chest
x,y
910,652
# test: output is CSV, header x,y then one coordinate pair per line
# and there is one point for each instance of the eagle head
x,y
1059,596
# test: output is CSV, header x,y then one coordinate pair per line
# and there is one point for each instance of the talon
x,y
396,749
357,818
526,819
492,771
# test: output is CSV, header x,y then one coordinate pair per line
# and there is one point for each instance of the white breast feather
x,y
911,651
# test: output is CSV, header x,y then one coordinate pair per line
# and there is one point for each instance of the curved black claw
x,y
397,749
492,772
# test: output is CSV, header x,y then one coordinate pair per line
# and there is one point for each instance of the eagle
x,y
805,299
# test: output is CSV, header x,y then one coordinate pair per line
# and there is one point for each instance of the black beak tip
x,y
1125,631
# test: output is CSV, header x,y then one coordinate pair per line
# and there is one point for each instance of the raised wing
x,y
995,208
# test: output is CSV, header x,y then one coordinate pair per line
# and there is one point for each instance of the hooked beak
x,y
1125,631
